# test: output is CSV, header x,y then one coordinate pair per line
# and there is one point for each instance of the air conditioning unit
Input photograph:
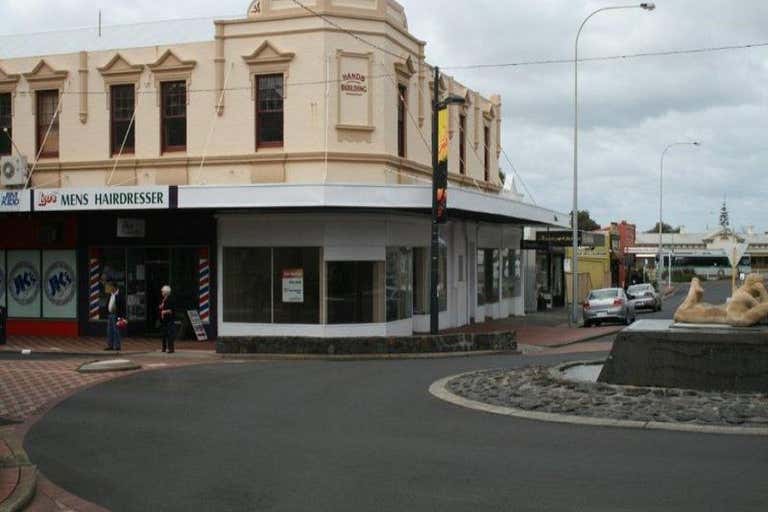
x,y
13,171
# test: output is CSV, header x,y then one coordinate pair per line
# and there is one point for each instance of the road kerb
x,y
439,389
24,492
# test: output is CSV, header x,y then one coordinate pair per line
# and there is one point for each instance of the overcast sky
x,y
631,109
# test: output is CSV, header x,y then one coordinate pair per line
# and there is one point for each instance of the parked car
x,y
644,296
608,305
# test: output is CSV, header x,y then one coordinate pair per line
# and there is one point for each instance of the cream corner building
x,y
330,135
278,176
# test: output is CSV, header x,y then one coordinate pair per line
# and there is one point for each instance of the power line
x,y
663,53
211,90
514,170
118,25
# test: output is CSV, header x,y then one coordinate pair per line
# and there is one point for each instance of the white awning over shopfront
x,y
396,197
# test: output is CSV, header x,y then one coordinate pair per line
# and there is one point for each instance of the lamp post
x,y
661,211
648,6
437,181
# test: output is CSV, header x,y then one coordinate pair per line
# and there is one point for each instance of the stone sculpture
x,y
747,307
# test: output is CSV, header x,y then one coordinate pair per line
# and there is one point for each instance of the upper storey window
x,y
6,123
269,110
123,104
174,116
48,124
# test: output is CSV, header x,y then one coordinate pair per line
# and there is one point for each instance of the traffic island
x,y
704,357
419,344
545,394
109,366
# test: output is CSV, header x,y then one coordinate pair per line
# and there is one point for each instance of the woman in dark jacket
x,y
167,310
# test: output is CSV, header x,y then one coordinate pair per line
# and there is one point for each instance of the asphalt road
x,y
715,292
367,436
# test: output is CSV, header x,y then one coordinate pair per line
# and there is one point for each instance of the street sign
x,y
565,238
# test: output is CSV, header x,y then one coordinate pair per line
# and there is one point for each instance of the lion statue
x,y
747,307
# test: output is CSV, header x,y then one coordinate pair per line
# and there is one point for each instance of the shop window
x,y
174,116
122,125
296,290
247,285
488,269
112,265
511,281
269,110
402,120
399,284
264,285
47,129
6,123
421,276
463,144
354,292
39,284
184,278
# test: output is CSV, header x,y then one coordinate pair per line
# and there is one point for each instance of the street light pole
x,y
434,274
648,6
439,180
661,214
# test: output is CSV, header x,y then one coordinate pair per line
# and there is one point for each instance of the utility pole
x,y
440,146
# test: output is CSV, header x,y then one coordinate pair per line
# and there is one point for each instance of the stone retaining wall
x,y
418,344
653,353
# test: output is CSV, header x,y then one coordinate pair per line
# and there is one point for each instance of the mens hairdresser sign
x,y
114,198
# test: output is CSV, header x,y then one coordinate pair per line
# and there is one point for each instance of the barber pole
x,y
204,274
94,287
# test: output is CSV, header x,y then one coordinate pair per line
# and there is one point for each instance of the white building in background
x,y
277,176
704,253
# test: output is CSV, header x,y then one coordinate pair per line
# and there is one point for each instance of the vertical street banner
x,y
443,146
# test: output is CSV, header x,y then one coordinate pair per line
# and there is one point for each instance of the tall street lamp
x,y
648,6
439,199
661,210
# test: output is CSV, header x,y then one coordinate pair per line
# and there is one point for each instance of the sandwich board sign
x,y
197,325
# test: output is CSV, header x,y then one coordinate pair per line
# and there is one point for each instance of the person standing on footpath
x,y
115,315
168,319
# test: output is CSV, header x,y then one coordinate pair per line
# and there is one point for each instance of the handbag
x,y
122,323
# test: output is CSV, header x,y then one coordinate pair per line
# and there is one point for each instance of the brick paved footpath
x,y
91,345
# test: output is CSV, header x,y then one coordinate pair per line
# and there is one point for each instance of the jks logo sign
x,y
46,199
10,199
59,283
24,283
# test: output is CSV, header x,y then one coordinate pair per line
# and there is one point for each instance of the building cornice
x,y
8,82
407,169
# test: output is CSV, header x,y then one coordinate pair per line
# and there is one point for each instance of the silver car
x,y
644,296
608,305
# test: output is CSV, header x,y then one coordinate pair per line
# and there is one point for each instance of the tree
x,y
725,218
665,228
585,221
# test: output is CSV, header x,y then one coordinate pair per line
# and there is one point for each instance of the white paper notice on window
x,y
293,286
